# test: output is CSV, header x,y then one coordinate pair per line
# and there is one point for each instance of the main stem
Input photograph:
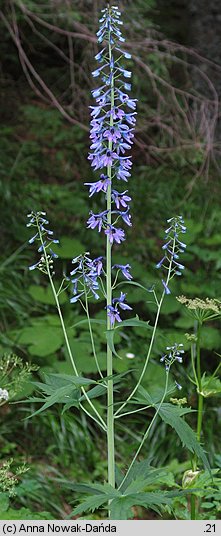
x,y
110,395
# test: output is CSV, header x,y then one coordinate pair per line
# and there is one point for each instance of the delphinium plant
x,y
112,133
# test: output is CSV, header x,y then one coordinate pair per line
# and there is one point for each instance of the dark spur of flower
x,y
86,274
45,239
173,353
120,199
98,186
120,301
172,249
113,314
114,234
97,220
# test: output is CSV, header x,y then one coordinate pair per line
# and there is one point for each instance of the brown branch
x,y
28,65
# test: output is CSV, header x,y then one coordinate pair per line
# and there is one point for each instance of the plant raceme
x,y
112,132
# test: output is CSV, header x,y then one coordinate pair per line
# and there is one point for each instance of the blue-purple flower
x,y
171,251
99,186
44,238
112,123
174,353
113,310
124,268
114,234
97,220
121,302
120,198
113,314
85,276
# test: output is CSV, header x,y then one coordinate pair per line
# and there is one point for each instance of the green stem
x,y
110,394
147,431
130,412
91,332
193,362
199,416
152,338
199,378
100,420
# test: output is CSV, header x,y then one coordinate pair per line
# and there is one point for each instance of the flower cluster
x,y
172,249
113,310
112,126
45,239
174,353
86,275
202,309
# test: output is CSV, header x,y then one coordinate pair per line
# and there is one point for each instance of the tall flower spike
x,y
44,238
171,250
112,124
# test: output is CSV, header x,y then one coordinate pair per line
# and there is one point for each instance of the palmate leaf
x,y
58,380
140,482
65,389
121,507
59,389
95,392
90,504
121,503
64,395
142,475
53,382
100,494
172,415
95,488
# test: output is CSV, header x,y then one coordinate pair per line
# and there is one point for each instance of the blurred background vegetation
x,y
46,61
